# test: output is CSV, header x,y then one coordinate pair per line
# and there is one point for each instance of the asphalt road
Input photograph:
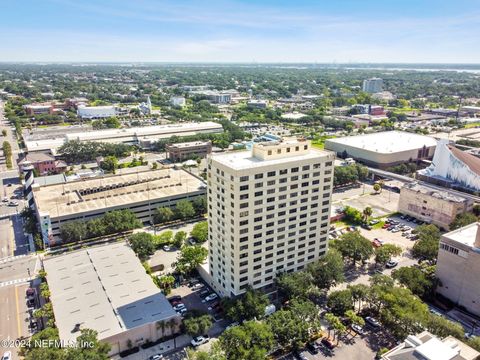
x,y
17,268
13,241
14,318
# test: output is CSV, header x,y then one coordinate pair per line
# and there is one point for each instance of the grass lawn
x,y
472,125
318,145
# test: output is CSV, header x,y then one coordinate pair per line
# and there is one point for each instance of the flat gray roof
x,y
113,191
465,235
103,288
386,142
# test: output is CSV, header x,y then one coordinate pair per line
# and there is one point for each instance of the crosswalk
x,y
16,281
12,258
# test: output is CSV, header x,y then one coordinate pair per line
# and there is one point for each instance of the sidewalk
x,y
173,348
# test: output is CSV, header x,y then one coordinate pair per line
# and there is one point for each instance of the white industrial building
x,y
142,136
178,101
268,213
106,289
384,149
96,112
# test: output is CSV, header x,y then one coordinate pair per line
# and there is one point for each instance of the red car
x,y
385,226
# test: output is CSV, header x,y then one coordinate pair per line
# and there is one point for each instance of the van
x,y
270,309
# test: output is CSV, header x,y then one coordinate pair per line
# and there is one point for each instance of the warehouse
x,y
106,289
384,149
141,192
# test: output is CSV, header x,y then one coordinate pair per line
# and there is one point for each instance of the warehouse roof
x,y
113,191
386,142
103,288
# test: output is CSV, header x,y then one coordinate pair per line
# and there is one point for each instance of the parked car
x,y
391,264
372,322
7,355
193,282
395,230
374,222
156,357
199,340
182,311
313,347
386,226
366,227
328,343
179,306
210,297
30,293
13,203
198,286
204,293
299,355
358,329
31,303
166,248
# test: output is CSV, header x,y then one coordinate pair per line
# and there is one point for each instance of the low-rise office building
x,y
439,207
458,267
178,101
426,346
257,104
142,136
44,163
384,149
189,150
106,289
96,112
85,199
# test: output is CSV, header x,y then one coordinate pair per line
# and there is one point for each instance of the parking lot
x,y
363,195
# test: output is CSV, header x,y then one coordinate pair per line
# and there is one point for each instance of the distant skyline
x,y
301,31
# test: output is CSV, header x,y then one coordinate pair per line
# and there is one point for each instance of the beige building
x,y
384,149
432,206
184,151
268,213
426,346
106,289
458,267
141,192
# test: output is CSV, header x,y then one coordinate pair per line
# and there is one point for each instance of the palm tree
x,y
367,212
161,325
172,324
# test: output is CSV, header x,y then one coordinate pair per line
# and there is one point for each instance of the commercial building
x,y
257,104
373,85
471,110
44,163
453,167
106,289
96,112
38,109
141,136
178,101
189,150
458,267
432,205
426,346
86,199
384,149
268,213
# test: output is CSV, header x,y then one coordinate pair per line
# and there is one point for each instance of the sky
x,y
323,31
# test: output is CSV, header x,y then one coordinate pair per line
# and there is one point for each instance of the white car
x,y
198,286
156,357
179,307
210,297
7,355
358,329
166,248
199,340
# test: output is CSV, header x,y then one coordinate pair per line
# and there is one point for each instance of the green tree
x,y
142,244
248,306
384,253
4,132
352,215
184,210
463,219
353,318
360,293
443,327
88,347
200,204
164,238
190,257
120,220
377,188
340,301
355,247
328,271
166,282
427,245
109,163
335,324
200,232
197,325
163,215
295,285
179,239
416,280
73,231
367,212
252,340
293,326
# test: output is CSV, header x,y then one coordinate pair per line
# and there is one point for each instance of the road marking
x,y
12,244
16,281
18,311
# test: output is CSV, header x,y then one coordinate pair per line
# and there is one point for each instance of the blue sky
x,y
241,31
